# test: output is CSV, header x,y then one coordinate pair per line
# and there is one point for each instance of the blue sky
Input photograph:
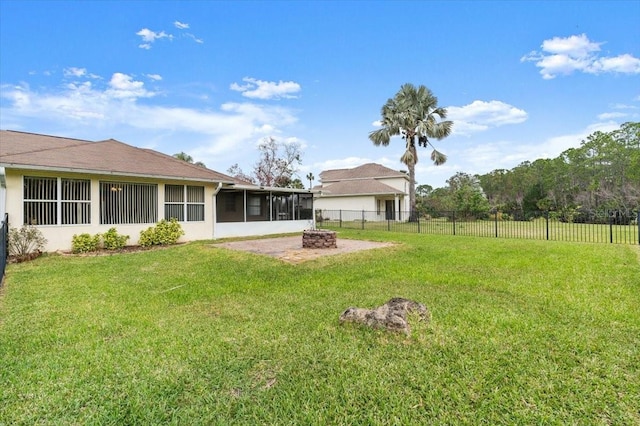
x,y
521,80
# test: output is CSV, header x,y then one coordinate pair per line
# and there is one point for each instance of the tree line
x,y
603,173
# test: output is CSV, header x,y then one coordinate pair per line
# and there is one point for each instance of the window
x,y
253,205
56,201
304,206
282,206
257,206
122,202
230,206
76,201
176,207
40,201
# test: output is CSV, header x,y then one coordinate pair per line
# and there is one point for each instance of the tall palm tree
x,y
310,177
413,113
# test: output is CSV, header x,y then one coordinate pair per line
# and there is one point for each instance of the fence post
x,y
610,227
418,224
4,248
340,218
453,216
496,222
546,219
362,218
638,224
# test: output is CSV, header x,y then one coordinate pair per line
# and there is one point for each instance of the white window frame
x,y
192,202
60,206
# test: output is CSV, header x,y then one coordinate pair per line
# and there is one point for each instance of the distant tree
x,y
414,114
295,183
310,178
602,173
278,162
237,173
189,159
468,197
277,166
422,197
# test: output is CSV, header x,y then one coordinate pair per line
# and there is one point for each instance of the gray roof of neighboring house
x,y
366,171
35,151
357,187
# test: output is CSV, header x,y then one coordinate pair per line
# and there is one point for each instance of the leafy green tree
x,y
414,114
602,173
467,195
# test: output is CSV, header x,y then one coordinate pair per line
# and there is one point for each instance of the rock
x,y
391,316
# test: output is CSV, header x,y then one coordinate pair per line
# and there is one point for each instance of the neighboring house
x,y
370,188
68,186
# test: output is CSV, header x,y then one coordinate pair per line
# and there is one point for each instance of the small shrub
x,y
164,233
26,241
111,240
85,243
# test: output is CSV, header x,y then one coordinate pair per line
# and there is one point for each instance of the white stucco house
x,y
377,190
68,186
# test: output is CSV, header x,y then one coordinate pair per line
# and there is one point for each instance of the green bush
x,y
25,241
111,240
164,233
85,243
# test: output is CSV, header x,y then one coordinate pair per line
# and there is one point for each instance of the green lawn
x,y
523,332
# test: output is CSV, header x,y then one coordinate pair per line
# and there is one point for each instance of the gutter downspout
x,y
215,208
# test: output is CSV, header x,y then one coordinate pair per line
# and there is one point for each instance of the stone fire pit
x,y
319,239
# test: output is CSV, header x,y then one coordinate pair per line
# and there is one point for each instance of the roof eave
x,y
108,173
322,194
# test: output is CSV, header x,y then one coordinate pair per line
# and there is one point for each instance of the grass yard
x,y
523,332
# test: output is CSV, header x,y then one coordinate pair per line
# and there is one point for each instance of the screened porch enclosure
x,y
255,206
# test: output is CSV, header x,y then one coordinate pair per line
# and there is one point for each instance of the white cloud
x,y
611,115
155,77
123,86
480,115
623,63
149,37
194,38
74,72
180,25
575,45
563,56
78,72
259,89
113,106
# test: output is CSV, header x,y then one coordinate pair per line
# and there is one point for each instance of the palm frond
x,y
438,157
408,158
380,136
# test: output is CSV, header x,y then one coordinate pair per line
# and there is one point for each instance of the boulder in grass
x,y
390,316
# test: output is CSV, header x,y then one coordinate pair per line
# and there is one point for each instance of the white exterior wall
x,y
399,183
359,203
246,229
59,237
367,203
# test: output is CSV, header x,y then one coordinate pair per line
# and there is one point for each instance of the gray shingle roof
x,y
369,170
358,187
30,150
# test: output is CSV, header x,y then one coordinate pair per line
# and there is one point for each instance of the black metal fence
x,y
603,226
4,246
